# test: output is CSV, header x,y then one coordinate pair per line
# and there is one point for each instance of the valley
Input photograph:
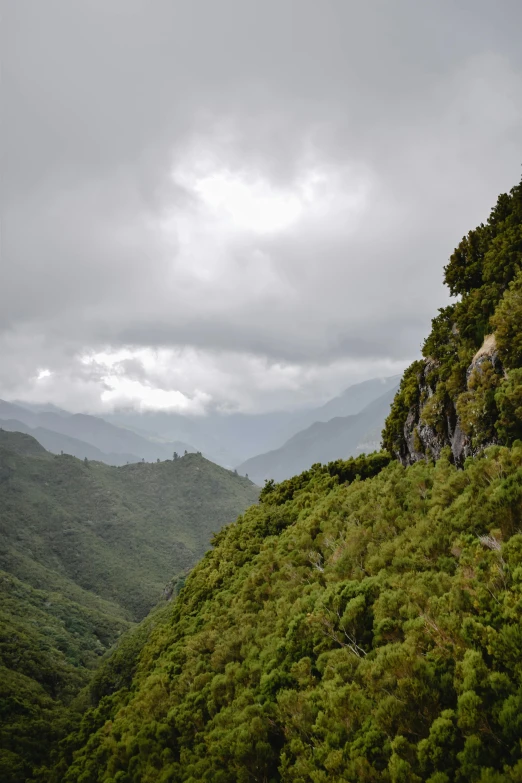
x,y
87,550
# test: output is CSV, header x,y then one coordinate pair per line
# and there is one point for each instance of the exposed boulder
x,y
487,352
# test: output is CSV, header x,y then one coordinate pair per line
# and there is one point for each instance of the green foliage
x,y
443,340
339,631
341,471
477,408
507,322
48,647
86,548
483,266
406,398
509,403
119,532
491,253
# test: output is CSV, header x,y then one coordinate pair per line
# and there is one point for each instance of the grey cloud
x,y
420,101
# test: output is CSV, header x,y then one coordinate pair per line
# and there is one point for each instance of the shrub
x,y
509,403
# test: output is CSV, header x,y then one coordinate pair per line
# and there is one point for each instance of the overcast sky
x,y
240,203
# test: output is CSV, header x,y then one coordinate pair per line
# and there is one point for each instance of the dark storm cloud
x,y
410,112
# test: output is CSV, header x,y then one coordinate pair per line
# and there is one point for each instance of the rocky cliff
x,y
430,426
466,393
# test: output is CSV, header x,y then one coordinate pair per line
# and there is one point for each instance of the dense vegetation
x,y
455,396
86,549
120,533
359,631
49,646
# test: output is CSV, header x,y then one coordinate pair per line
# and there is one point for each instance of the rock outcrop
x,y
464,393
432,424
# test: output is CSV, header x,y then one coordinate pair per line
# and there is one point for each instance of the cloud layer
x,y
240,204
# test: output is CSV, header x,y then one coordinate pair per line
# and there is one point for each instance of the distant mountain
x,y
162,426
20,443
37,407
338,438
235,437
228,439
108,439
354,399
57,443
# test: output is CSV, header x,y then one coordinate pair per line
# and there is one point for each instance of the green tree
x,y
507,322
477,408
508,399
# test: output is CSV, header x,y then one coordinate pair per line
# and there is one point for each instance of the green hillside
x,y
49,646
363,622
363,631
85,551
120,533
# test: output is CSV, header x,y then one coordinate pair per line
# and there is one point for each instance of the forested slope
x,y
49,646
363,631
85,549
121,533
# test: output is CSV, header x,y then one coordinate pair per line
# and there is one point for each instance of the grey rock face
x,y
421,440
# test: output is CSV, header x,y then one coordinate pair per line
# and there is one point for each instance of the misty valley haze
x,y
128,437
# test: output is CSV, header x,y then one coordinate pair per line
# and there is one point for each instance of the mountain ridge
x,y
97,433
95,503
218,436
337,438
57,443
